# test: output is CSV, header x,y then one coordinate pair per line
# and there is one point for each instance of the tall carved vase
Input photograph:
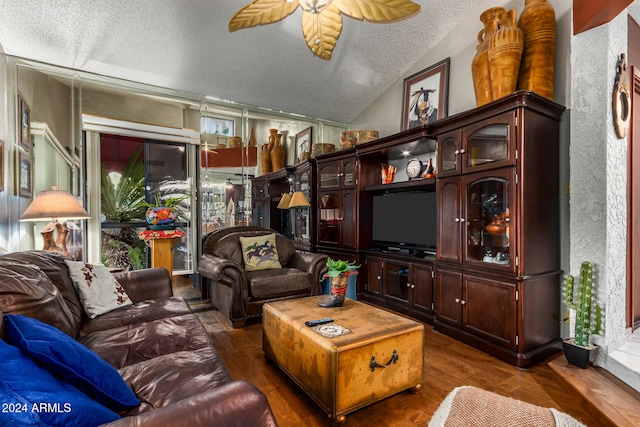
x,y
538,23
278,154
480,62
505,53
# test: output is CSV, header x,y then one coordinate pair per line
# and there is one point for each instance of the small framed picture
x,y
1,165
25,183
24,115
303,144
426,96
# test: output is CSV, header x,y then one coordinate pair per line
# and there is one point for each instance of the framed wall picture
x,y
24,115
303,144
1,165
25,183
426,96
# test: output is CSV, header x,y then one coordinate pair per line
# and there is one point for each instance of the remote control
x,y
318,321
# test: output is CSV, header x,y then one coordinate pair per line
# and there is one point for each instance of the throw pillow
x,y
31,396
260,253
99,291
70,361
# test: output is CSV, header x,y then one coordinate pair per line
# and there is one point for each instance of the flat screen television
x,y
404,221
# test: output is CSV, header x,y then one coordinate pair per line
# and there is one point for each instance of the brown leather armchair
x,y
240,294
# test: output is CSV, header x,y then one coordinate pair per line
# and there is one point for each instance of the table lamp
x,y
299,200
51,205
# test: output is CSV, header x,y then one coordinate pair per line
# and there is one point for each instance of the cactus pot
x,y
577,355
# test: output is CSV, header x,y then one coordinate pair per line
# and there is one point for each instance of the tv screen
x,y
405,220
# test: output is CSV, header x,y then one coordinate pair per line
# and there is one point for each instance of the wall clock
x,y
414,168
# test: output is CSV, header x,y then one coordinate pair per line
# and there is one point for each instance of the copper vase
x,y
538,23
480,62
505,53
277,153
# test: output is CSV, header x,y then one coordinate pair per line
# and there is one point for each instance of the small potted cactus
x,y
578,350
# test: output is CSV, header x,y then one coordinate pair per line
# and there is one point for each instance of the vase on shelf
x,y
505,53
538,24
480,63
265,159
277,153
252,138
272,138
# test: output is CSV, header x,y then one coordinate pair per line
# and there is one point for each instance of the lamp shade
x,y
299,200
53,204
284,202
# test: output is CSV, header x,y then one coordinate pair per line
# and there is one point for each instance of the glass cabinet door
x,y
489,204
328,174
303,215
330,219
448,154
349,172
490,146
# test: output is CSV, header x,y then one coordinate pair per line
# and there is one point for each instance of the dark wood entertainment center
x,y
494,281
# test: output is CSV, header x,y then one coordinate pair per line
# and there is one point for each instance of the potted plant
x,y
163,214
338,272
578,350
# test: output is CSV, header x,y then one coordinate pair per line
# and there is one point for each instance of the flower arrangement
x,y
165,211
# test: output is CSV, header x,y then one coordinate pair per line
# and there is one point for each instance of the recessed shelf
x,y
414,184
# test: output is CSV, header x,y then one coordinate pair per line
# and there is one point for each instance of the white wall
x,y
385,114
599,173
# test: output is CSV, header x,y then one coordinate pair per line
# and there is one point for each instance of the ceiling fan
x,y
321,19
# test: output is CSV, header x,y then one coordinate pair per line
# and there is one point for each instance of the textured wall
x,y
598,170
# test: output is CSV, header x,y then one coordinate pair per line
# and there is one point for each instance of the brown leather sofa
x,y
158,345
239,294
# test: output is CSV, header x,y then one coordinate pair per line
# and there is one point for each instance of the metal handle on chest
x,y
373,365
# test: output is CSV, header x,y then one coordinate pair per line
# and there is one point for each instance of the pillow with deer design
x,y
260,252
99,291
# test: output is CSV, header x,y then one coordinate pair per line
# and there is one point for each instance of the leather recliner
x,y
240,294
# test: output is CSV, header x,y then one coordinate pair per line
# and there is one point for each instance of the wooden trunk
x,y
337,372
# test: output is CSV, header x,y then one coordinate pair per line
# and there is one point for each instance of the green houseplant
x,y
588,316
338,271
121,203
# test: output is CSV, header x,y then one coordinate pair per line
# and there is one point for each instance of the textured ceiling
x,y
185,45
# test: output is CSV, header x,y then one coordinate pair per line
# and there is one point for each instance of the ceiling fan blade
x,y
261,12
321,30
376,10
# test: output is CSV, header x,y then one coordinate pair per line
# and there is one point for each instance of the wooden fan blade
x,y
321,30
376,10
261,12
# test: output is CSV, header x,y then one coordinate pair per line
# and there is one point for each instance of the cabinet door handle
x,y
378,277
340,219
457,300
457,220
408,285
463,302
413,286
456,152
462,151
462,220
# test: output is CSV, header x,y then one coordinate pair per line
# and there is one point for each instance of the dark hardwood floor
x,y
448,364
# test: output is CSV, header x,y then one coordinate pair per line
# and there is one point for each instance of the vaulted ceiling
x,y
185,45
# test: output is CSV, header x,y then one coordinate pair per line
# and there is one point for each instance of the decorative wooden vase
x,y
538,23
265,159
505,53
272,138
252,139
278,154
480,63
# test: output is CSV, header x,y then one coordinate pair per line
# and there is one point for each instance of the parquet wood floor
x,y
448,364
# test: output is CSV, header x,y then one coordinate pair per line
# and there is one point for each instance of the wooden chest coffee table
x,y
382,355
